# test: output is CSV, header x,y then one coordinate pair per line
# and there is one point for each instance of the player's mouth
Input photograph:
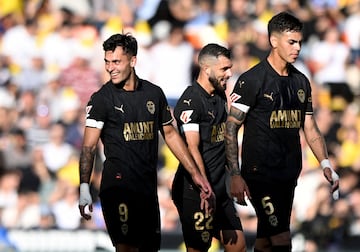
x,y
114,75
294,56
224,81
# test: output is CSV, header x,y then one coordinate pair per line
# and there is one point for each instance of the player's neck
x,y
205,84
130,83
278,64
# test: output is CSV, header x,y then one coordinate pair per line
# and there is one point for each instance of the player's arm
x,y
181,152
316,142
193,142
87,156
234,121
238,187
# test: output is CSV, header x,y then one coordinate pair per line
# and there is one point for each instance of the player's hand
x,y
333,179
239,189
204,186
85,200
208,204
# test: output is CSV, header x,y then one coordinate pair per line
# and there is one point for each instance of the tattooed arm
x,y
87,156
238,187
317,144
233,123
314,138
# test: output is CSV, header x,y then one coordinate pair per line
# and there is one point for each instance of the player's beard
x,y
216,84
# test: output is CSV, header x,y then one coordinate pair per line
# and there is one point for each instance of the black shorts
x,y
131,218
199,229
273,204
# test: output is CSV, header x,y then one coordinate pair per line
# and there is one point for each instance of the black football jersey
x,y
129,123
276,107
196,110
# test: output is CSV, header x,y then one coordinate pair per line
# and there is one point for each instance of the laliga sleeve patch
x,y
185,116
234,97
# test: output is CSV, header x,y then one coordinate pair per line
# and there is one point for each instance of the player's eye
x,y
292,42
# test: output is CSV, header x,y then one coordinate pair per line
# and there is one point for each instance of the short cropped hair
x,y
213,50
284,22
126,41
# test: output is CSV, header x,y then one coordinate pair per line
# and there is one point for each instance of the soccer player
x,y
201,113
273,102
127,113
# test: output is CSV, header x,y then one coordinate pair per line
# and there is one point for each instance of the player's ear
x,y
133,61
273,41
207,70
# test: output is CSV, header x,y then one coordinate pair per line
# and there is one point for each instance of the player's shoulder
x,y
148,85
190,91
102,92
190,97
256,70
254,75
296,72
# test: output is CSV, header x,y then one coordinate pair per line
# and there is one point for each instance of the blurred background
x,y
51,61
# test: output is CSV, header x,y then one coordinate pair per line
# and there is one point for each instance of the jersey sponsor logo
x,y
87,110
285,119
234,97
150,107
218,133
134,131
185,116
269,96
187,102
301,95
119,108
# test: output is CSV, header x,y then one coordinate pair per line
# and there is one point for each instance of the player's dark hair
x,y
283,22
214,50
126,41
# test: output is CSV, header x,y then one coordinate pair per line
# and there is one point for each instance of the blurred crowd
x,y
51,60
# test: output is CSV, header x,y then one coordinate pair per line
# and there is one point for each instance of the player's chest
x,y
131,107
213,111
282,93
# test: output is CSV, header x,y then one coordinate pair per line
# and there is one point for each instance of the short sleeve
x,y
95,112
165,114
187,112
243,95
